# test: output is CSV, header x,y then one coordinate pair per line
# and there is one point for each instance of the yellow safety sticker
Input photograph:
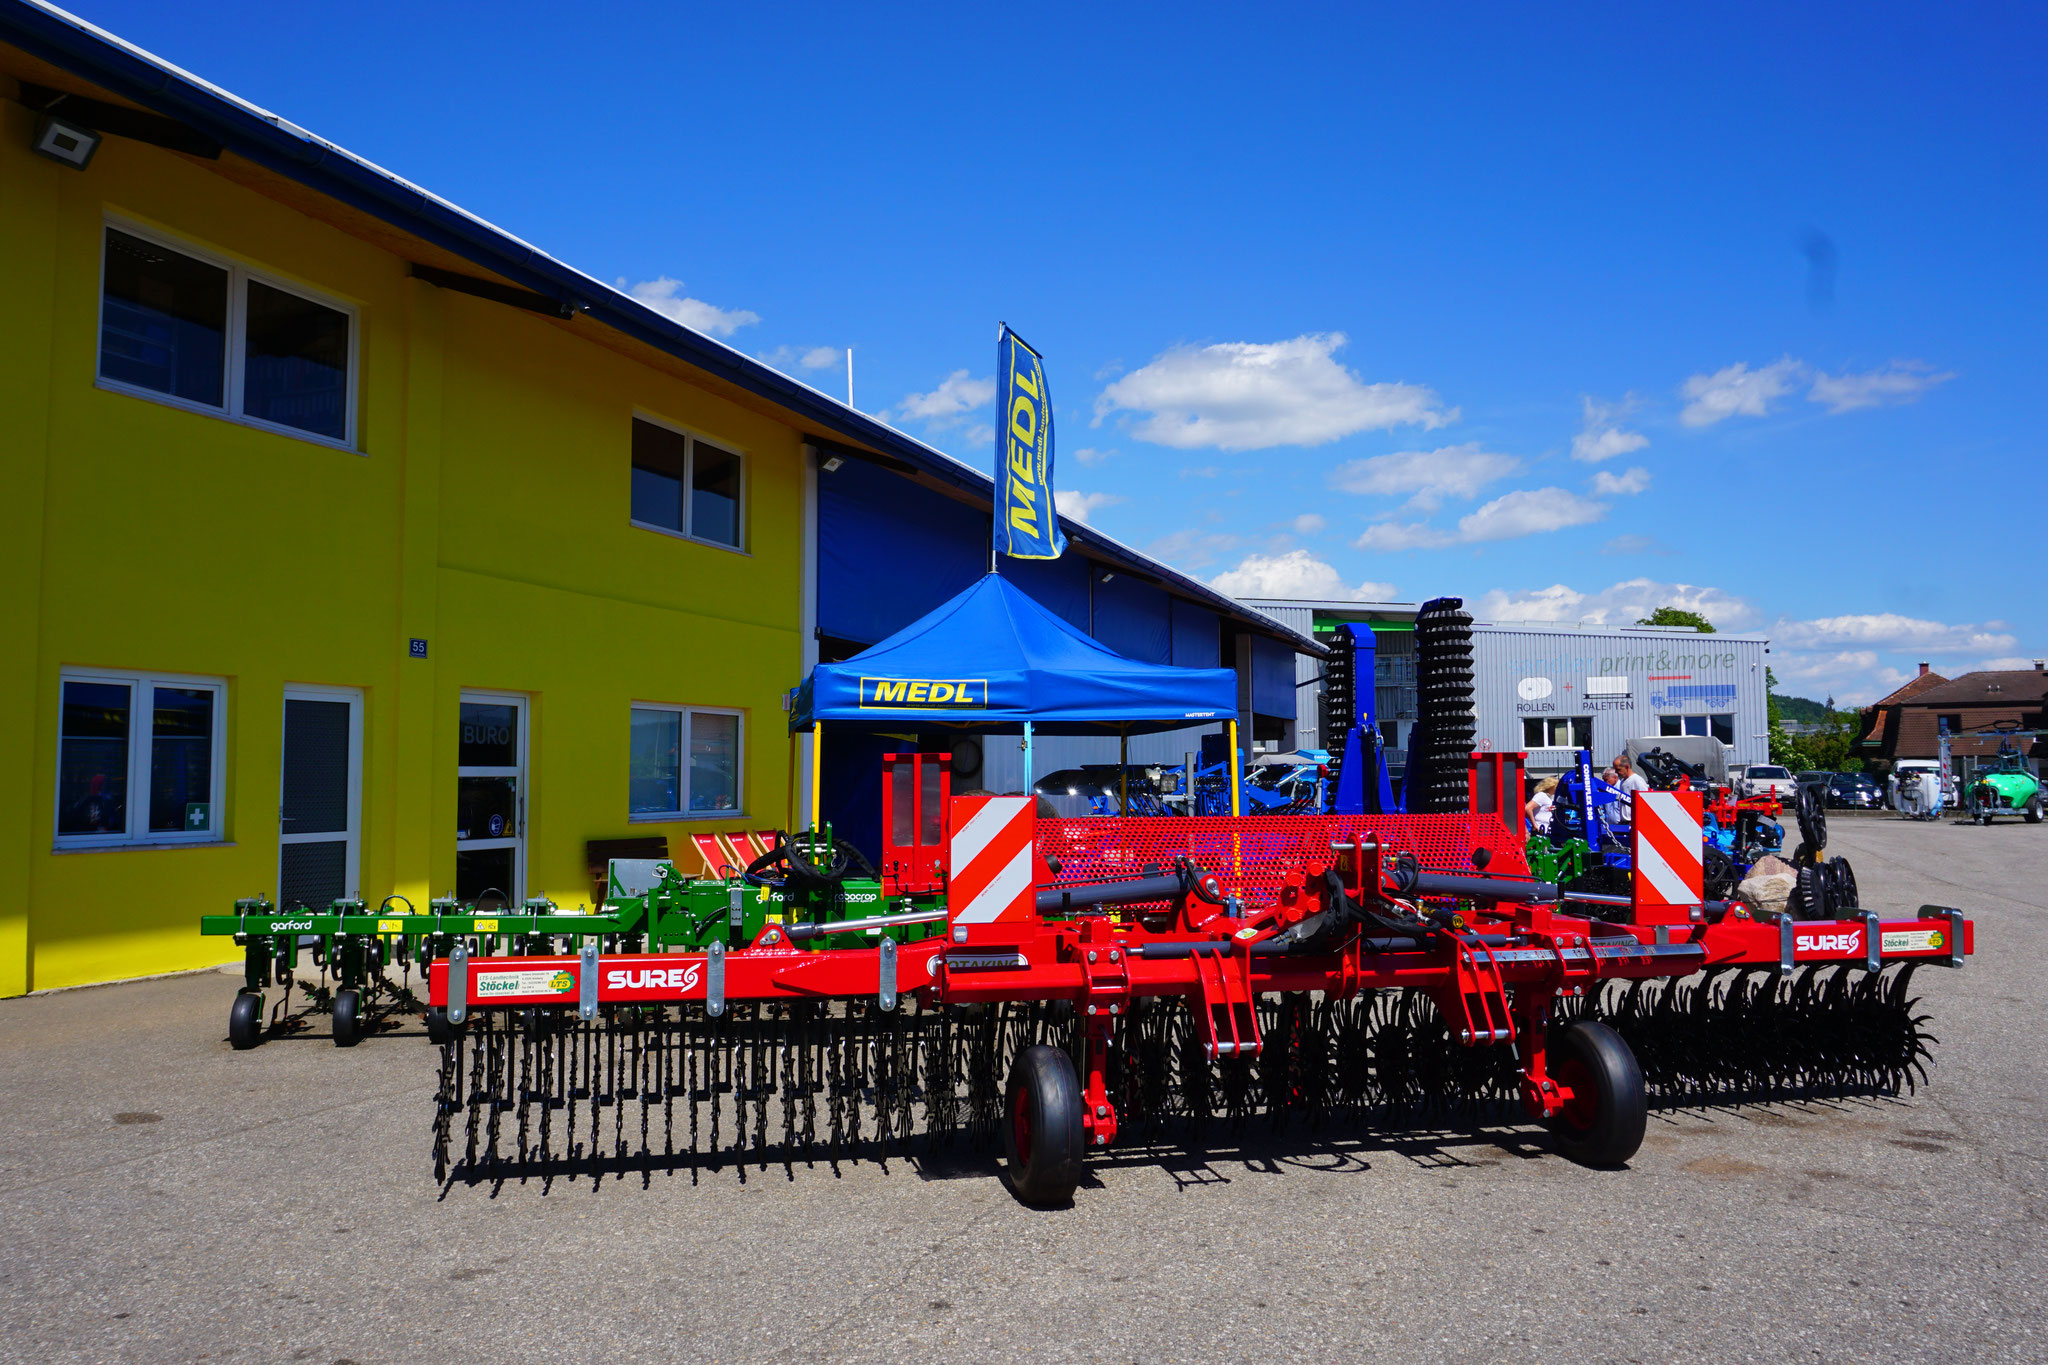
x,y
485,926
390,926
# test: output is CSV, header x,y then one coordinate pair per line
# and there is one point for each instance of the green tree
x,y
1678,616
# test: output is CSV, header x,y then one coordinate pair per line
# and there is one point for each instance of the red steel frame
x,y
1275,871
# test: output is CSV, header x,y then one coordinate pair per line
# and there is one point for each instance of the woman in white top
x,y
1538,809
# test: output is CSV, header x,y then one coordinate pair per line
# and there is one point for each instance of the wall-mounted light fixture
x,y
66,142
832,463
1108,576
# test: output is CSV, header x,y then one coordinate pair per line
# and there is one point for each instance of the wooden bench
x,y
598,855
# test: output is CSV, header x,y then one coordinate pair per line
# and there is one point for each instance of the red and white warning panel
x,y
1669,855
991,893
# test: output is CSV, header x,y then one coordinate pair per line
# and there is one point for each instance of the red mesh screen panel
x,y
1252,854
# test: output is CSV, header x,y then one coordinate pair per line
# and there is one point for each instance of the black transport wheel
x,y
2034,809
348,1018
1602,1124
1042,1140
439,1030
245,1021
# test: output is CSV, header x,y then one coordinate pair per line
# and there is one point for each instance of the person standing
x,y
1538,808
1628,782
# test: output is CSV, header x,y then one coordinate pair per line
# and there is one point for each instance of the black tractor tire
x,y
1813,897
245,1021
439,1030
1043,1140
2034,809
1813,819
1602,1125
348,1018
1844,894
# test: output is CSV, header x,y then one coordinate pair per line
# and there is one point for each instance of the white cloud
x,y
1309,523
1608,484
1629,544
1619,605
1737,391
1206,471
662,296
1601,436
807,357
1902,381
1090,456
1296,574
1527,512
1390,536
1082,506
1524,512
1192,548
1888,630
1242,395
1429,475
983,436
957,395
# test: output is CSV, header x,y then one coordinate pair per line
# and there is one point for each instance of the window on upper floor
x,y
179,325
687,486
139,758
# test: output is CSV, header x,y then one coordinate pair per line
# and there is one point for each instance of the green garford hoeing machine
x,y
806,890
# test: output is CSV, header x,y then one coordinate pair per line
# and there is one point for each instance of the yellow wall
x,y
486,512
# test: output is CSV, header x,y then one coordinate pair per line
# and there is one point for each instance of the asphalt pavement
x,y
163,1198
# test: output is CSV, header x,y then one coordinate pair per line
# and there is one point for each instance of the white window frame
x,y
515,895
141,735
354,838
1547,721
239,275
739,775
690,439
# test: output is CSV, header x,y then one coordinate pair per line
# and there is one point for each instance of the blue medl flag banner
x,y
1027,524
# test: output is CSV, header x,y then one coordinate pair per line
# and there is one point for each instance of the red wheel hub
x,y
1020,1125
1583,1104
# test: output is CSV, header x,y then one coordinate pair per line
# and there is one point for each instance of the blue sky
x,y
1572,311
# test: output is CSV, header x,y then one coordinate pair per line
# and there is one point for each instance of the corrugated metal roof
x,y
269,140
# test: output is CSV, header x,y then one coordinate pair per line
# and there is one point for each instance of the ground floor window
x,y
1557,732
684,761
139,758
1721,727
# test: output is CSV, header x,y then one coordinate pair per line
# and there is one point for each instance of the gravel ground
x,y
165,1199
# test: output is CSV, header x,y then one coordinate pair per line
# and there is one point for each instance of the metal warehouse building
x,y
1551,689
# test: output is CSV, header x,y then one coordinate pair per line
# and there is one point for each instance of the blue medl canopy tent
x,y
992,658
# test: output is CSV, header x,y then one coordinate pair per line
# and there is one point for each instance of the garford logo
x,y
1849,942
1533,689
655,978
285,926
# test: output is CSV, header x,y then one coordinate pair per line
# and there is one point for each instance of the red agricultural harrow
x,y
1106,978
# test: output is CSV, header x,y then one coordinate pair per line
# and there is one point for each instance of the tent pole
x,y
817,774
1235,809
1027,758
1123,768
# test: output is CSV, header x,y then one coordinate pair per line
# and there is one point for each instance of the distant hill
x,y
1803,710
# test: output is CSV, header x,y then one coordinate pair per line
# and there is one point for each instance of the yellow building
x,y
335,563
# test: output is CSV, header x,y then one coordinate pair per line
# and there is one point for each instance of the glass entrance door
x,y
318,808
490,801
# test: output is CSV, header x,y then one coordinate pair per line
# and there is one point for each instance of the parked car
x,y
1768,779
1854,791
1816,779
